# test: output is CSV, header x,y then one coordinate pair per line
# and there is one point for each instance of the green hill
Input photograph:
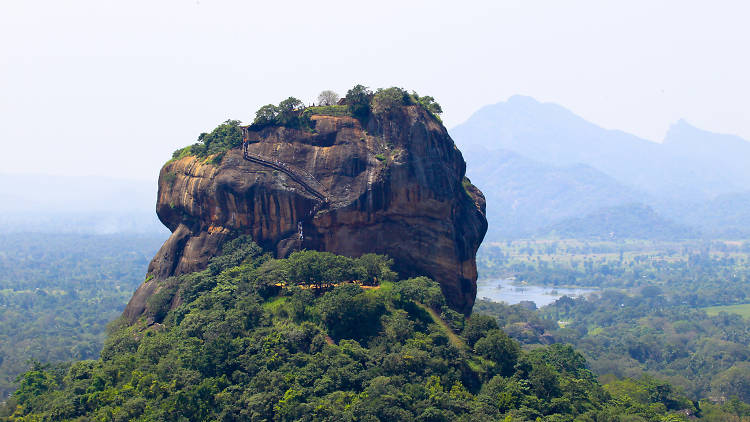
x,y
632,221
251,339
524,195
59,291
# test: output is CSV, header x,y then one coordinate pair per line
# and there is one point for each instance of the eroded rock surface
x,y
394,187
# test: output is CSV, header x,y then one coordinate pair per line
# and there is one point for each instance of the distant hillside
x,y
538,163
714,158
726,216
523,195
631,221
690,165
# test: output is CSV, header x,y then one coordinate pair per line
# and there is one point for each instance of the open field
x,y
628,250
742,310
503,259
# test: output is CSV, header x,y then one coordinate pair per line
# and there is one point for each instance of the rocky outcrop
x,y
394,186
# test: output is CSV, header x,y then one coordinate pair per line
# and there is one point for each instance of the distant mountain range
x,y
726,216
539,164
630,221
544,171
524,195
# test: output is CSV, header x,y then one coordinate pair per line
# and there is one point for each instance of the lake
x,y
503,290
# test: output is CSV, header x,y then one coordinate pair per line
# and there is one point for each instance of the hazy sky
x,y
103,87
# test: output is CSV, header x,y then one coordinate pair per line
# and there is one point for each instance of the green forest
x,y
665,335
59,291
245,344
673,311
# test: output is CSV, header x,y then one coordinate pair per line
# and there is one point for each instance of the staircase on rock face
x,y
301,176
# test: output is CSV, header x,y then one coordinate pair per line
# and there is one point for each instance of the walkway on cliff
x,y
301,176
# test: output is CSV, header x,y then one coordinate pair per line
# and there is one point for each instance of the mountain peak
x,y
522,99
679,130
682,123
684,134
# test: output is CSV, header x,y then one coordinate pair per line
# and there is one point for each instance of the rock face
x,y
395,187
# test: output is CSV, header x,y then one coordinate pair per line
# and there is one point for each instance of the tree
x,y
266,115
340,269
289,105
544,380
477,326
375,269
651,291
428,103
288,111
272,273
307,268
499,348
34,382
358,99
735,381
313,268
387,99
419,289
226,135
350,313
328,98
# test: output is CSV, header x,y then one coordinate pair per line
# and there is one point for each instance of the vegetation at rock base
x,y
58,292
236,347
253,337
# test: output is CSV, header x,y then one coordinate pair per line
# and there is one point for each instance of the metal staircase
x,y
301,176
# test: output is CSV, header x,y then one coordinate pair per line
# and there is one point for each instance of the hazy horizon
x,y
479,108
94,88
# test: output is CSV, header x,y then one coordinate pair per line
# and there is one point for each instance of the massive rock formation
x,y
395,186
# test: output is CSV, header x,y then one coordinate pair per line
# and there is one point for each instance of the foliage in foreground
x,y
235,349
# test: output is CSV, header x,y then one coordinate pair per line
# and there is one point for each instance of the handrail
x,y
301,176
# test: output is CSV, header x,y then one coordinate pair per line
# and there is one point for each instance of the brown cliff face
x,y
395,187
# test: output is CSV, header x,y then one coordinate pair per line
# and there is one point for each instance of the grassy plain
x,y
742,310
503,259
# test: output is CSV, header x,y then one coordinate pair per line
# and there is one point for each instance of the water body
x,y
510,292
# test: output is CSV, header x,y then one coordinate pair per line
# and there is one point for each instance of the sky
x,y
112,88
